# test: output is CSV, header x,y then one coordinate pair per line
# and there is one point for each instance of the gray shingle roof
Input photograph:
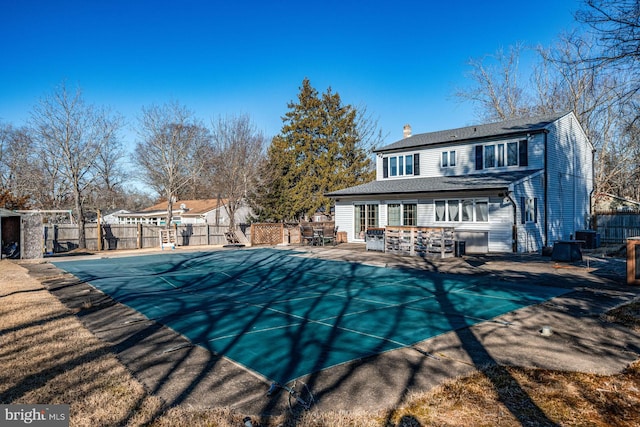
x,y
494,181
516,126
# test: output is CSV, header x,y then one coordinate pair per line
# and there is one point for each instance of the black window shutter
x,y
523,210
416,164
479,149
524,152
385,167
535,210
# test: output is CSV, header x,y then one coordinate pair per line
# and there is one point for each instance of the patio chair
x,y
308,237
329,234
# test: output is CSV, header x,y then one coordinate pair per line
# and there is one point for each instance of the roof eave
x,y
398,193
464,140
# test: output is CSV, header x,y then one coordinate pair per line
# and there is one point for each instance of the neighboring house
x,y
113,217
517,185
611,202
322,216
207,211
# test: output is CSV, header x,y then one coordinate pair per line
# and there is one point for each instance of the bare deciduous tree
x,y
110,174
171,150
615,27
237,152
557,85
593,93
496,88
17,161
70,135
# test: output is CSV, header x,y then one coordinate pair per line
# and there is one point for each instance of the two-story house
x,y
517,185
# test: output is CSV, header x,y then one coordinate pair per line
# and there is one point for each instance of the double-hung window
x,y
401,165
372,216
529,209
410,214
402,214
489,156
465,210
448,159
500,155
393,165
514,153
394,214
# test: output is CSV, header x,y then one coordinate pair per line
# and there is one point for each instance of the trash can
x,y
460,248
633,261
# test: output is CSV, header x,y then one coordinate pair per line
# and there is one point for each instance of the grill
x,y
375,239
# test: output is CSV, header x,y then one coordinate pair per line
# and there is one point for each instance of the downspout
x,y
514,230
546,202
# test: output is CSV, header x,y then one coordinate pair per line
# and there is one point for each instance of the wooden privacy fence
x,y
64,237
615,227
277,233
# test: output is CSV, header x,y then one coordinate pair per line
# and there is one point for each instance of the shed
x,y
24,230
10,227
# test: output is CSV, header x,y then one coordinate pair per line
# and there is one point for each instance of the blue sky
x,y
401,59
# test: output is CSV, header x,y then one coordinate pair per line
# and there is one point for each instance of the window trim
x,y
502,157
460,210
528,210
357,219
448,159
403,212
401,165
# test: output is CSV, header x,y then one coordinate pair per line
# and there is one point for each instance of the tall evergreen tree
x,y
319,149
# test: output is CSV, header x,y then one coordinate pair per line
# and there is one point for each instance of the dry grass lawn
x,y
47,356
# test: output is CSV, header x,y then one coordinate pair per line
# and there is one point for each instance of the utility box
x,y
633,261
590,237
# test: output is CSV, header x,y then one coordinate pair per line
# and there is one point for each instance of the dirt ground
x,y
576,337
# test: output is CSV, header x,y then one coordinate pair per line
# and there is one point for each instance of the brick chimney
x,y
406,131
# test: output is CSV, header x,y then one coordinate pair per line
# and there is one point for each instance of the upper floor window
x,y
499,155
401,165
448,159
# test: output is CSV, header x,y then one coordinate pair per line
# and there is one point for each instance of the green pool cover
x,y
284,316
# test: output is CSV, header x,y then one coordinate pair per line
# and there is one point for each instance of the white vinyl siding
x,y
344,219
569,178
562,190
530,233
431,159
